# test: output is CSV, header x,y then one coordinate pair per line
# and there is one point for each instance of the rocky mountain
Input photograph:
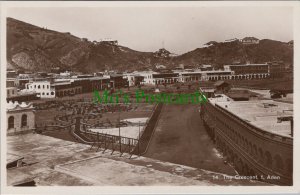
x,y
39,49
235,52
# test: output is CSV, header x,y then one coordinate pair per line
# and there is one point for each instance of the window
x,y
11,122
43,86
43,93
47,86
39,86
52,93
47,93
24,120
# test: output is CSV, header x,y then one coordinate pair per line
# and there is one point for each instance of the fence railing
x,y
122,144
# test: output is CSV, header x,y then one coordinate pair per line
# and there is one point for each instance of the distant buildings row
x,y
27,87
206,73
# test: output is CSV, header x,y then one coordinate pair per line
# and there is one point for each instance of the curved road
x,y
181,138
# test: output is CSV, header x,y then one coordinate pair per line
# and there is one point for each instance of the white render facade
x,y
148,77
42,88
20,118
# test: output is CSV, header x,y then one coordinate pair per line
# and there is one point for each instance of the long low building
x,y
210,75
249,71
157,78
67,86
255,136
230,72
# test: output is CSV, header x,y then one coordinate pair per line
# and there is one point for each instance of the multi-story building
x,y
214,75
256,137
20,118
81,84
14,94
92,83
21,82
165,78
11,74
148,77
66,89
133,79
154,78
42,88
277,69
187,76
11,91
118,81
249,71
10,82
211,75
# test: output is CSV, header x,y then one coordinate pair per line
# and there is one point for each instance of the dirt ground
x,y
180,137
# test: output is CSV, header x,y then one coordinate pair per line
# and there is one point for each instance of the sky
x,y
178,29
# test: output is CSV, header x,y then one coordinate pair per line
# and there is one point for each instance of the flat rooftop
x,y
260,113
56,162
12,158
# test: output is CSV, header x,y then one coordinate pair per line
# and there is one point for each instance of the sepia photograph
x,y
108,95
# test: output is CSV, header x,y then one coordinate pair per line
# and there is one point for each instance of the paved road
x,y
180,137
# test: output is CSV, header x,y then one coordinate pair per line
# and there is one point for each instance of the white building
x,y
65,74
205,75
109,41
148,77
20,118
153,78
249,71
42,88
130,78
249,40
